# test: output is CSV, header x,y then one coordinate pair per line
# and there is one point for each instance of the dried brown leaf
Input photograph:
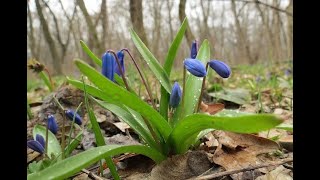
x,y
211,108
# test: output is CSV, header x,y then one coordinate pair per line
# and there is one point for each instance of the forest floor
x,y
221,155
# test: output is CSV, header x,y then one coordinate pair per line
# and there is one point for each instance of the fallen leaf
x,y
277,174
211,108
181,167
241,150
287,142
122,126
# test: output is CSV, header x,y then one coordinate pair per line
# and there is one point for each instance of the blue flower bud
x,y
175,96
194,49
36,146
52,124
70,114
287,72
108,66
221,68
120,55
41,140
195,67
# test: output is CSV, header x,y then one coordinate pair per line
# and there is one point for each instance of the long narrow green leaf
x,y
98,135
137,125
164,101
67,167
195,123
91,90
73,144
152,62
121,95
53,144
90,54
193,84
46,80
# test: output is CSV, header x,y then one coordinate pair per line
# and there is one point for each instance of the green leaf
x,y
231,113
135,122
97,133
121,95
287,127
46,80
53,144
91,90
195,123
67,167
73,144
164,101
238,96
152,62
90,54
193,84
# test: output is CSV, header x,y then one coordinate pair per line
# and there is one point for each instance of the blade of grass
x,y
98,135
90,54
164,101
152,62
46,80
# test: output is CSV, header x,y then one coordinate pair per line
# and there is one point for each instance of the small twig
x,y
225,173
92,175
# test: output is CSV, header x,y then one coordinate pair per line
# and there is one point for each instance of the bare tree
x,y
31,42
243,43
182,15
137,19
289,30
49,40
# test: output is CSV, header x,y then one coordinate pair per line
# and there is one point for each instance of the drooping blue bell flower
x,y
120,55
221,68
70,114
52,124
108,66
195,67
194,49
175,96
38,144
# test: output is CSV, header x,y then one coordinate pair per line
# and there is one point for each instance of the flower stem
x,y
47,134
63,143
120,69
142,78
202,88
51,82
184,88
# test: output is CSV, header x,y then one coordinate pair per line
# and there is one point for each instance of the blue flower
x,y
194,49
38,144
52,124
195,67
221,68
175,96
108,66
70,114
120,55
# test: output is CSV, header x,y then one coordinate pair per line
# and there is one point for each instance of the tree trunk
x,y
243,45
49,40
137,20
104,24
31,42
289,30
92,33
182,15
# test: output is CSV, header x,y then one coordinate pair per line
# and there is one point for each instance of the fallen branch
x,y
224,173
92,175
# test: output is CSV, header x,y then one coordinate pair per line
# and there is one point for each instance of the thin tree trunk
x,y
137,20
169,7
32,43
91,27
104,24
243,45
182,14
49,40
289,30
